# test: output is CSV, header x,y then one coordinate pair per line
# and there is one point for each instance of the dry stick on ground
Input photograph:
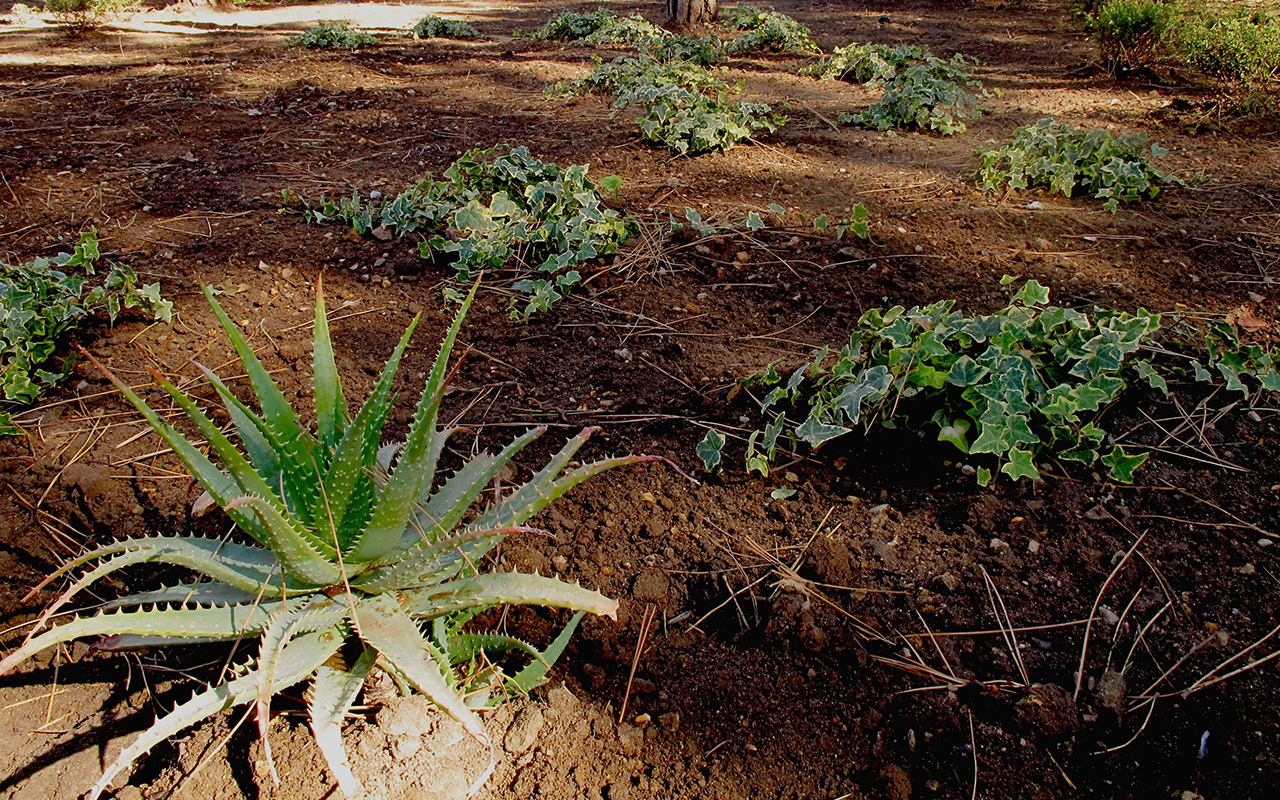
x,y
650,611
1084,647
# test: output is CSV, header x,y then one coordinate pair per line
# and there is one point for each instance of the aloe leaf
x,y
332,693
506,588
541,480
445,509
331,407
466,646
298,457
220,486
346,482
249,426
384,625
219,622
275,638
203,594
298,660
290,542
170,551
414,467
535,673
429,563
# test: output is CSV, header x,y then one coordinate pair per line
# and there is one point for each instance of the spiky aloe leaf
x,y
220,486
429,564
445,509
415,466
197,554
218,622
331,407
297,661
333,692
535,673
384,625
289,541
492,589
298,459
466,646
250,428
201,594
348,489
284,624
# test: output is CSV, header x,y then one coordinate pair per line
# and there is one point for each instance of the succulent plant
x,y
361,557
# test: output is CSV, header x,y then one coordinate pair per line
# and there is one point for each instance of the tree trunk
x,y
683,14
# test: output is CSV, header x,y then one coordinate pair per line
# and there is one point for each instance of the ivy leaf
x,y
1202,374
984,476
754,222
1270,380
820,223
1122,464
709,449
1021,464
1032,294
611,184
815,432
782,494
1232,378
1153,378
777,209
956,433
966,372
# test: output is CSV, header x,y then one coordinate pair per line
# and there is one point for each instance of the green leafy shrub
x,y
930,95
1028,383
85,14
1129,32
333,34
1113,168
361,555
688,108
599,28
870,63
1238,48
510,211
44,300
767,31
433,27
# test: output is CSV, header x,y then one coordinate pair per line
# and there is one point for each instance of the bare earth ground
x,y
175,139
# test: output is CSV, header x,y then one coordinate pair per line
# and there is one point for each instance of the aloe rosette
x,y
361,557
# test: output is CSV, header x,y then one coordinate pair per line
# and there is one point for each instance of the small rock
x,y
899,782
623,353
669,721
631,738
998,544
1033,546
1254,297
1109,616
405,747
1041,245
1035,205
559,562
1248,569
1048,710
949,582
1111,693
524,731
129,793
1265,543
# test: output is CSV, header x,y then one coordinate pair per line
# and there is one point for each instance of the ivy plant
x,y
1114,168
931,95
433,27
43,300
332,35
503,211
767,31
868,64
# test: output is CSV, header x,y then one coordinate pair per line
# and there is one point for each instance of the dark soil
x,y
840,643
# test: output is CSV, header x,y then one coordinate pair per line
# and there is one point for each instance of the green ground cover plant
x,y
930,95
332,34
363,556
433,27
85,14
1114,168
44,300
1021,387
688,108
868,64
1232,45
491,211
767,31
599,28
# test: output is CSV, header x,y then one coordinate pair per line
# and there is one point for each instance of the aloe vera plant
x,y
361,557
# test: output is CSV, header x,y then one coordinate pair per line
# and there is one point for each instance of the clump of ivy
x,y
688,108
930,95
433,27
1110,167
1027,384
599,28
505,211
869,64
43,300
333,34
767,30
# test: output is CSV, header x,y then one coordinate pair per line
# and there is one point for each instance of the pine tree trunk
x,y
683,14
